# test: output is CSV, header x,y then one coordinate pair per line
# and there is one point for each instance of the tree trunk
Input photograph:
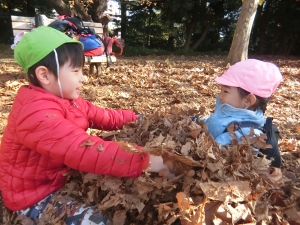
x,y
189,30
30,8
123,19
203,36
148,30
291,46
94,13
60,7
80,11
254,37
239,46
97,9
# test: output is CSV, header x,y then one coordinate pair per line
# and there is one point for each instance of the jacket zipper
x,y
74,104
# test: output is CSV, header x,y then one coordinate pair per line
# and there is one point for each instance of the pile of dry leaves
x,y
213,184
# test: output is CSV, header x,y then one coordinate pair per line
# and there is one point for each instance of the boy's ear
x,y
250,100
42,74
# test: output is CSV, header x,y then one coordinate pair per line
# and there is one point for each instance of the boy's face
x,y
231,96
71,80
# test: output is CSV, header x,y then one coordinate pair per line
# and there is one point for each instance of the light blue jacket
x,y
225,114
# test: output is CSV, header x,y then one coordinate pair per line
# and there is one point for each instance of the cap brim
x,y
224,81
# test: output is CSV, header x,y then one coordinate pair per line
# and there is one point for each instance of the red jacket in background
x,y
46,135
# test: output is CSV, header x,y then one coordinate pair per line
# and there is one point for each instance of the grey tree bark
x,y
240,43
93,12
60,7
123,19
203,36
189,30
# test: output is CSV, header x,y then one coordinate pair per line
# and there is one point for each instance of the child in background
x,y
46,131
246,88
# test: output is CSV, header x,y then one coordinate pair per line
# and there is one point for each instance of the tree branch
x,y
97,9
60,7
80,11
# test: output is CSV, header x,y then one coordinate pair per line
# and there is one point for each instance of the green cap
x,y
37,44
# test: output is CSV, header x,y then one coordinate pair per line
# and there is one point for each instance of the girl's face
x,y
231,96
71,80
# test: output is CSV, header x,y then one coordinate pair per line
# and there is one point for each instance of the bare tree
x,y
239,47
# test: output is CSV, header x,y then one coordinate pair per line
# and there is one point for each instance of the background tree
x,y
123,4
87,10
260,25
25,7
144,26
197,25
239,47
201,21
275,29
211,28
18,7
187,12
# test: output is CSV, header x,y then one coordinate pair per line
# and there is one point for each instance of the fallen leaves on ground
x,y
213,184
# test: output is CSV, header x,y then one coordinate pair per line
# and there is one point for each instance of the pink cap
x,y
255,76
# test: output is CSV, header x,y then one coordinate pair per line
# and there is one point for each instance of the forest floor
x,y
146,84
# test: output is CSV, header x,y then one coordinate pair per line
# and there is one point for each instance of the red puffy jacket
x,y
46,135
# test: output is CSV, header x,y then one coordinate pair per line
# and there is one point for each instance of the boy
x,y
46,129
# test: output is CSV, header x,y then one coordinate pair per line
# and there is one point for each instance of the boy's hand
x,y
156,164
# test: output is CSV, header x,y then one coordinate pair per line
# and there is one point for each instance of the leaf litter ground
x,y
212,184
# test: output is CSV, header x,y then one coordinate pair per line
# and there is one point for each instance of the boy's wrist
x,y
145,162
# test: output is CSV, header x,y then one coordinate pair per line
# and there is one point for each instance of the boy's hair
x,y
261,103
67,53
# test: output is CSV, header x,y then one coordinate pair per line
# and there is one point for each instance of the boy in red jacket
x,y
46,131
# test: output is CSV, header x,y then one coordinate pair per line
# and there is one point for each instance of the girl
x,y
246,88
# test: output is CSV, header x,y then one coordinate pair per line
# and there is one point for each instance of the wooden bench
x,y
26,24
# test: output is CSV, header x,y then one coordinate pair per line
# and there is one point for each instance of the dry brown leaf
x,y
183,201
130,147
232,191
143,186
119,217
288,144
88,143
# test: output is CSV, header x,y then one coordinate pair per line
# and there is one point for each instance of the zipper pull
x,y
74,104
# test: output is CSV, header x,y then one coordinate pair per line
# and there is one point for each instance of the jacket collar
x,y
47,93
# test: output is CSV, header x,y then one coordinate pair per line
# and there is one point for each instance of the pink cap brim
x,y
224,81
